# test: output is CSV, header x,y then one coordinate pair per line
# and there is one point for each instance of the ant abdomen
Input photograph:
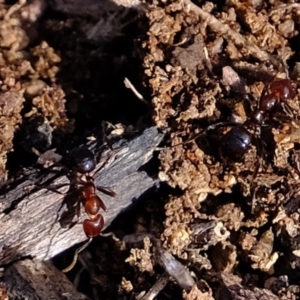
x,y
235,143
93,227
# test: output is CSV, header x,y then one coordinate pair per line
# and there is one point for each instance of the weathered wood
x,y
31,226
36,280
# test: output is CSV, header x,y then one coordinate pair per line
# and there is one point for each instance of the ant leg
x,y
104,163
78,208
221,124
288,109
106,190
254,200
116,239
261,155
102,205
80,249
105,125
52,188
208,128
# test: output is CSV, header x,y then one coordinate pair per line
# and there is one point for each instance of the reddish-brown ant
x,y
84,162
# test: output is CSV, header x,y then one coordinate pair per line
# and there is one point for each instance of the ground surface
x,y
220,228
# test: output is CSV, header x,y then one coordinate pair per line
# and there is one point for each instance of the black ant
x,y
84,162
237,141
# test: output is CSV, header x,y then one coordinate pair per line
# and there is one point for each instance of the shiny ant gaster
x,y
84,162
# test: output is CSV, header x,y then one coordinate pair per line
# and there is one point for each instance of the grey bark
x,y
30,227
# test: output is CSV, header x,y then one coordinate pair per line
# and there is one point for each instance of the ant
x,y
84,162
237,141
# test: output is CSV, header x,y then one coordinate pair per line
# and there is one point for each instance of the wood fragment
x,y
241,43
239,292
157,287
33,279
28,223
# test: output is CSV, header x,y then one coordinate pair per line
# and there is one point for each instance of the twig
x,y
167,261
157,287
130,86
284,8
14,8
232,35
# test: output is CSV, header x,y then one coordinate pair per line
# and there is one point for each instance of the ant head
x,y
282,89
83,160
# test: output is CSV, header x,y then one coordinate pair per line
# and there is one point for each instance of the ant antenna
x,y
80,249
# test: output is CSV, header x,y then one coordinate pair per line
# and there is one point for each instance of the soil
x,y
217,227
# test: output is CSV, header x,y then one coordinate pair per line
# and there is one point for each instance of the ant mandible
x,y
84,162
237,141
